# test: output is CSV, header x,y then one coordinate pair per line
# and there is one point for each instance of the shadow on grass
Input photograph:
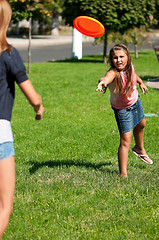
x,y
68,163
150,78
143,52
86,59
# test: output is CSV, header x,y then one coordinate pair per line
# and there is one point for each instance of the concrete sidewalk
x,y
153,83
43,40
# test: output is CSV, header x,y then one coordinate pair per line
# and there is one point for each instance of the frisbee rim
x,y
88,32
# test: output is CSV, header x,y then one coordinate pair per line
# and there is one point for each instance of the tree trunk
x,y
136,52
135,43
29,47
105,47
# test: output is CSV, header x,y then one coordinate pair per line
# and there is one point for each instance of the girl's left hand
x,y
143,88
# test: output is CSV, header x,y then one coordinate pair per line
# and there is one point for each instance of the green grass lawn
x,y
67,182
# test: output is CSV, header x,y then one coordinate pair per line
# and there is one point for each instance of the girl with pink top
x,y
121,80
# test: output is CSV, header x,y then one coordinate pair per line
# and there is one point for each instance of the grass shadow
x,y
141,52
85,59
150,78
67,163
154,80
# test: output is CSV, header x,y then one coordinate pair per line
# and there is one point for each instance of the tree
x,y
137,36
32,9
157,11
36,9
116,15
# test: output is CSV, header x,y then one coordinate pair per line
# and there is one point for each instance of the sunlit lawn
x,y
67,182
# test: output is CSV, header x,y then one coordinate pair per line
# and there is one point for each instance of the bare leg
x,y
138,133
7,185
125,141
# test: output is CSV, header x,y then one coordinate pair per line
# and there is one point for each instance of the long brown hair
x,y
128,69
5,17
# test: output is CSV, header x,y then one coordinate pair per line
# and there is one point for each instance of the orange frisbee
x,y
89,26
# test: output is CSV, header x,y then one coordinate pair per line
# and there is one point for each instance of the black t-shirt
x,y
12,70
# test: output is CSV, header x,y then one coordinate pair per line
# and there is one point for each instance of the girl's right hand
x,y
101,86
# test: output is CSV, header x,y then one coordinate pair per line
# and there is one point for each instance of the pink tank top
x,y
120,101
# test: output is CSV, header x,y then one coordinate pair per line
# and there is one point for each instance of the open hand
x,y
143,88
101,86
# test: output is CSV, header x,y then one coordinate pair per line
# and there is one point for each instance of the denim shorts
x,y
128,118
6,150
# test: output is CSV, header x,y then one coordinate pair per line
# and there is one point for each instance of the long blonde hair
x,y
5,17
129,71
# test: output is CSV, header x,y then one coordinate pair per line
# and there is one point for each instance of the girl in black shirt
x,y
12,70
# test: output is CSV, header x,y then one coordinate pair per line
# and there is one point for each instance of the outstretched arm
x,y
109,77
33,98
142,86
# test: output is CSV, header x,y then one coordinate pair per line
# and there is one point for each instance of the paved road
x,y
58,52
61,51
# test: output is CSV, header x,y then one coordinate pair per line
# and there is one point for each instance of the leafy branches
x,y
37,9
116,15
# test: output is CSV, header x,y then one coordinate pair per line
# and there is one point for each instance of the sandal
x,y
142,157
